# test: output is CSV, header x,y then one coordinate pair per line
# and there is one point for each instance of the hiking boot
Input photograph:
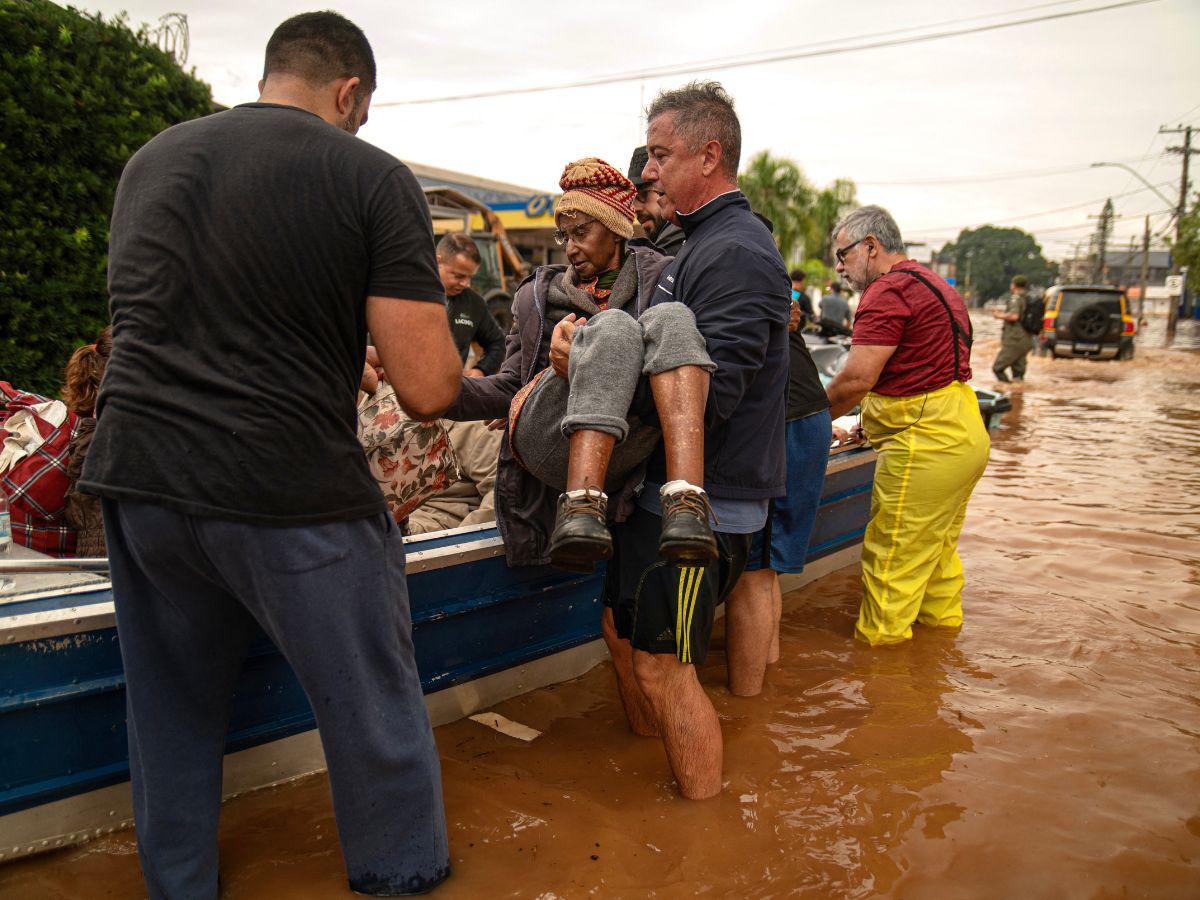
x,y
580,537
687,538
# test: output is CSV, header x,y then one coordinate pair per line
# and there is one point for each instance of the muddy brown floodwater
x,y
1049,749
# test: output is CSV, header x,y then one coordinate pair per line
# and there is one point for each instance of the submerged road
x,y
1049,749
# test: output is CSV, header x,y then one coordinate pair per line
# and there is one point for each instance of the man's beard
x,y
353,119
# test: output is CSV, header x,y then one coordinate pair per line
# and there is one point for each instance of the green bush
x,y
78,96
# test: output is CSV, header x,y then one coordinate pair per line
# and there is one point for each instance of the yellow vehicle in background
x,y
1087,321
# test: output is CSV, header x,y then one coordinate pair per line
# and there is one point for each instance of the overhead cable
x,y
696,68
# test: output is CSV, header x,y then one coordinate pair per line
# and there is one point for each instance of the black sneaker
x,y
580,538
687,538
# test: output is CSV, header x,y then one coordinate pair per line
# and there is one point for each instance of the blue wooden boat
x,y
483,633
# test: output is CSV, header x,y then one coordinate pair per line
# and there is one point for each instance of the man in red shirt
x,y
909,365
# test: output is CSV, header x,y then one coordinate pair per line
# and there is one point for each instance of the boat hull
x,y
483,632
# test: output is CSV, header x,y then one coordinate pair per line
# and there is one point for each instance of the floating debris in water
x,y
506,726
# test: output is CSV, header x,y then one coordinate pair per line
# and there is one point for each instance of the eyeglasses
x,y
575,232
840,255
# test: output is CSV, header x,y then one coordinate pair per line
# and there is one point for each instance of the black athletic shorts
x,y
661,608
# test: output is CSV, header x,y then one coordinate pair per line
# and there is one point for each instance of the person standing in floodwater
x,y
1015,342
250,251
909,366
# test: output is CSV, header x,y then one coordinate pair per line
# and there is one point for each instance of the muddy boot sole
x,y
689,553
576,555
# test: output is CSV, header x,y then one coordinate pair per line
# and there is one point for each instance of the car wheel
x,y
1090,323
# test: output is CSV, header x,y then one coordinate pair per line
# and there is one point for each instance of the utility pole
x,y
1186,152
1103,230
1128,263
1145,272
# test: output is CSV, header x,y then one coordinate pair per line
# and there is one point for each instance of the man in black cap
x,y
667,236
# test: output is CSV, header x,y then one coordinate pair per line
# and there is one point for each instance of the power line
x,y
693,68
997,176
1048,212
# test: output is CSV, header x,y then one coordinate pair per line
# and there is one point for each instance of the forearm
x,y
845,392
484,398
414,344
493,354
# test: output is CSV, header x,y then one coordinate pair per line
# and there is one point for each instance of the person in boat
x,y
250,252
45,444
800,296
470,320
835,312
909,366
593,381
647,206
466,500
81,388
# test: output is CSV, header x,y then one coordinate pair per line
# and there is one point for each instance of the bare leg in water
x,y
749,626
777,610
638,710
680,395
691,731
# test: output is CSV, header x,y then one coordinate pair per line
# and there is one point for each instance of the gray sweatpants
x,y
609,356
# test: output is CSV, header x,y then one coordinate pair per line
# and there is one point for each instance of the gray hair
x,y
703,112
872,220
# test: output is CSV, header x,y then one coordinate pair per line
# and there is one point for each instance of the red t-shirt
x,y
897,310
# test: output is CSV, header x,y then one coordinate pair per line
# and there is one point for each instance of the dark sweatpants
x,y
189,592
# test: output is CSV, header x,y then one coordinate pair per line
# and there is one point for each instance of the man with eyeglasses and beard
x,y
647,205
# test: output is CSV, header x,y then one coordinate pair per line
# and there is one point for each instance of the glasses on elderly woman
x,y
840,255
575,232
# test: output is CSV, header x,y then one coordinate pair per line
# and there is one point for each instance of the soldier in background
x,y
1015,341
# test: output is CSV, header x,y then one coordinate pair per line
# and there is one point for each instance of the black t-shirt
x,y
806,395
470,320
242,250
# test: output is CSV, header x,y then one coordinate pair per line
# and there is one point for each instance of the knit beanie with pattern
x,y
593,187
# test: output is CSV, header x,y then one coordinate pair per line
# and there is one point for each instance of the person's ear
x,y
344,101
711,158
261,82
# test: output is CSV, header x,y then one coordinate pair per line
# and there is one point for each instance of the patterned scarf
x,y
601,287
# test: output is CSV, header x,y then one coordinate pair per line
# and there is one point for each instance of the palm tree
x,y
831,204
776,188
802,215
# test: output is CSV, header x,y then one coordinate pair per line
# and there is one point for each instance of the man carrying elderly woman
x,y
592,380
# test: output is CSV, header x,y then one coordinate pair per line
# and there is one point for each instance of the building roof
x,y
485,190
1159,259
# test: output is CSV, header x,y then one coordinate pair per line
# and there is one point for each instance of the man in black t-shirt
x,y
249,253
458,260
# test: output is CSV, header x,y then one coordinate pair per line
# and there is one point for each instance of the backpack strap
x,y
956,330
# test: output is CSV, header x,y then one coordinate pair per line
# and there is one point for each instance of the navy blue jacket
x,y
731,276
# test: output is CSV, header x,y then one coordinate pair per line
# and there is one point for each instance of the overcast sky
x,y
1049,95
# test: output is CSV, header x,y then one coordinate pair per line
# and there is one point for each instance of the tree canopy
x,y
986,260
1186,249
79,95
801,213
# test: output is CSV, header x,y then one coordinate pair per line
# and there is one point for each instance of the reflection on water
x,y
1050,749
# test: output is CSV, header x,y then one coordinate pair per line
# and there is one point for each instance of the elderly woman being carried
x,y
595,380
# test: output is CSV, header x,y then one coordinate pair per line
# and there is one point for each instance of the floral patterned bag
x,y
411,460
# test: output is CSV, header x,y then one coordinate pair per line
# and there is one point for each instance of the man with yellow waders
x,y
909,365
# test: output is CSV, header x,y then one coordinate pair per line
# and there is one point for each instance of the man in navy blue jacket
x,y
731,276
